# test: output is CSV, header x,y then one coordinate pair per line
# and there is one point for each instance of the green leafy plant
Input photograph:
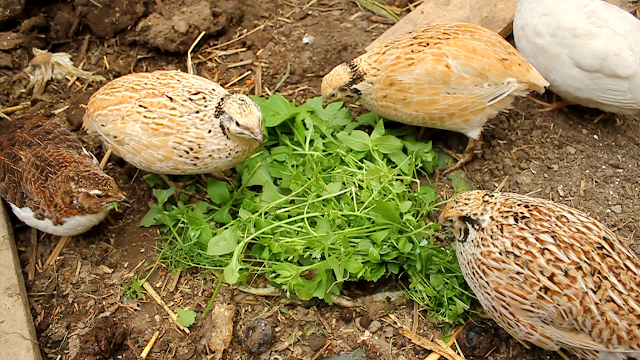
x,y
185,317
327,200
135,290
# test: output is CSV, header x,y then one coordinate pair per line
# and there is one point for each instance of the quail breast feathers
x,y
589,50
171,122
446,76
549,274
50,180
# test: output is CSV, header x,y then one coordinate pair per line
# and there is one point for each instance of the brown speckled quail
x,y
51,182
549,274
445,76
175,123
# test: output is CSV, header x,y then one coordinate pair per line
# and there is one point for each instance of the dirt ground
x,y
80,306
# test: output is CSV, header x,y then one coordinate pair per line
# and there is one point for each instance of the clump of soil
x,y
10,9
103,341
175,25
106,18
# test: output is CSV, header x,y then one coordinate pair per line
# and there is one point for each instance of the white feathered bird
x,y
588,50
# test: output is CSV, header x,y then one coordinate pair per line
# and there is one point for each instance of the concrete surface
x,y
17,335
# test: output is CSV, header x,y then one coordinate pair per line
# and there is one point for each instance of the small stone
x,y
617,209
6,60
374,326
476,341
308,39
258,335
299,15
571,150
316,342
365,321
347,315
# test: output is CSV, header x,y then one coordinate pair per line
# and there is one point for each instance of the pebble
x,y
365,321
347,315
308,39
257,337
617,209
374,326
316,342
571,150
476,341
299,15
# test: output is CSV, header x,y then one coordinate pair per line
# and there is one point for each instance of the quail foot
x,y
588,50
51,182
548,274
446,76
175,123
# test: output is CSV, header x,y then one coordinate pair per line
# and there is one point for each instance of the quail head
x,y
51,182
445,76
549,274
589,50
171,122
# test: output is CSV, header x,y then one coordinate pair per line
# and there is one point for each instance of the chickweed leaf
x,y
370,119
218,191
388,211
224,243
152,215
163,194
387,144
358,140
277,109
185,318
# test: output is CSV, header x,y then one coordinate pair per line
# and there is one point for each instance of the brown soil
x,y
79,305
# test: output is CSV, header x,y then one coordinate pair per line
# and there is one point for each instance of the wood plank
x,y
496,15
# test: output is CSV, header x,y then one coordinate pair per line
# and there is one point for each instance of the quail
x,y
174,123
588,50
548,274
51,182
445,76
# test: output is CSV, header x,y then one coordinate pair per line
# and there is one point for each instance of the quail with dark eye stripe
x,y
175,123
549,274
445,76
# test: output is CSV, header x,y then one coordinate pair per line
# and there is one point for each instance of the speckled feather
x,y
169,122
549,274
45,168
453,77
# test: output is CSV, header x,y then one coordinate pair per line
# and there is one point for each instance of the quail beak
x,y
124,201
444,215
258,136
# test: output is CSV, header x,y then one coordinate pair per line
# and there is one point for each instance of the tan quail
x,y
446,76
549,274
171,122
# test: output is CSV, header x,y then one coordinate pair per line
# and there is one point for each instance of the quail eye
x,y
237,123
99,196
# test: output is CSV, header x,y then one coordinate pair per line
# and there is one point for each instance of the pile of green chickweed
x,y
323,202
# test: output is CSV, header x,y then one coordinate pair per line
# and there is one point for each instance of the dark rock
x,y
258,335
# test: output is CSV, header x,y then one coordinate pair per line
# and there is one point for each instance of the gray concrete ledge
x,y
17,335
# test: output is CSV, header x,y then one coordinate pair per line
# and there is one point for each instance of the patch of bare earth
x,y
79,305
